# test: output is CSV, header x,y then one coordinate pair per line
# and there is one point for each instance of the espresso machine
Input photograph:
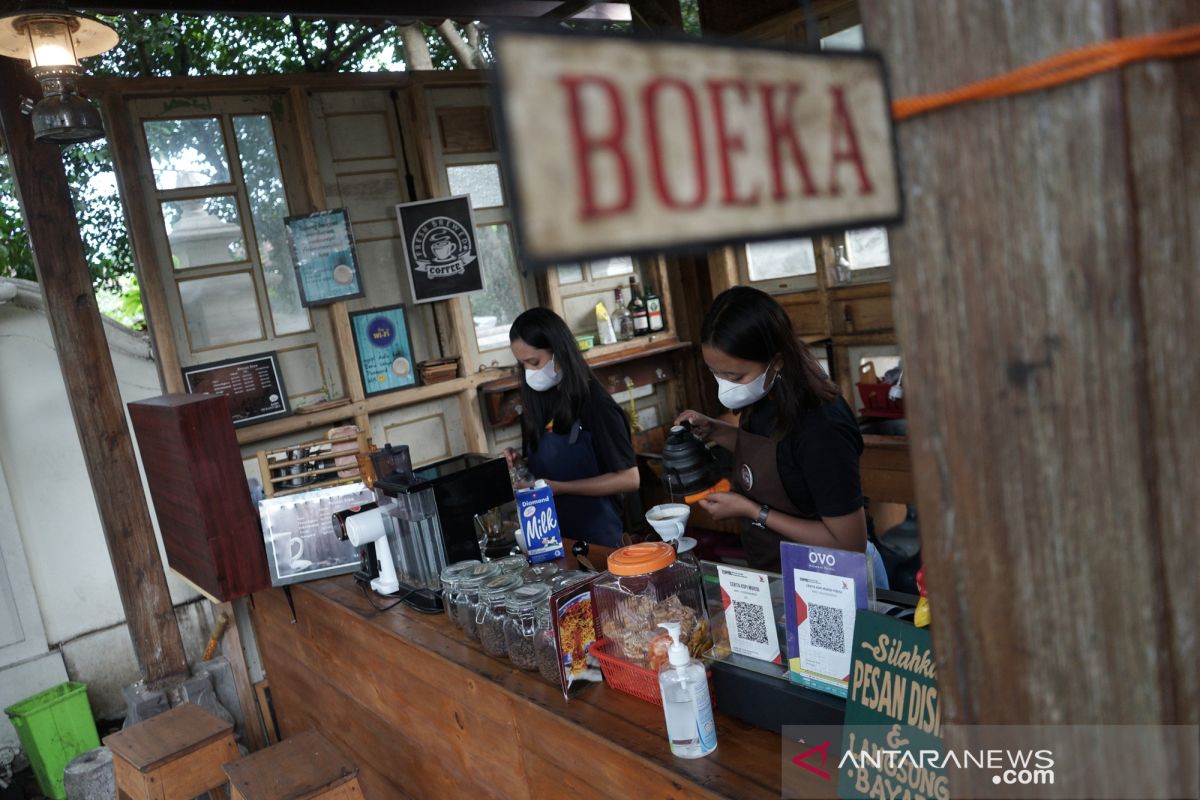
x,y
428,517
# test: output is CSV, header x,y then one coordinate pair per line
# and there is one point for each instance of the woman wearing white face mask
x,y
573,433
797,446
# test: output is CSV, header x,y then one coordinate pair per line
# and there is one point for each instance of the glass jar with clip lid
x,y
449,578
527,614
494,596
466,596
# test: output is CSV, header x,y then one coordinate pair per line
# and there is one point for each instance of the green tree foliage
x,y
179,45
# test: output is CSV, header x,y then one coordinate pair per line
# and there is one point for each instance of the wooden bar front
x,y
424,712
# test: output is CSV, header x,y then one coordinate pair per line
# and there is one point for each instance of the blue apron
x,y
570,457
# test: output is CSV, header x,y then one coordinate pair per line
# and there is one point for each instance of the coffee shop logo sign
x,y
441,248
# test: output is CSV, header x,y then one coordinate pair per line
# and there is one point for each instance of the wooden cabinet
x,y
194,470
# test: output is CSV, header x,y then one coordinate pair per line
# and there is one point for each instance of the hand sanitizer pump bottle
x,y
686,704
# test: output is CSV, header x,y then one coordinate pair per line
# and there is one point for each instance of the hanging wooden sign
x,y
627,144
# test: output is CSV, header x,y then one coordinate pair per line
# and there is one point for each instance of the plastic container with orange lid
x,y
645,585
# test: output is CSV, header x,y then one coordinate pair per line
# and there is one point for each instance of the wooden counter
x,y
427,714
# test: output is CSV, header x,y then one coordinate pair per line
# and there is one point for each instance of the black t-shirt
x,y
611,437
818,460
606,421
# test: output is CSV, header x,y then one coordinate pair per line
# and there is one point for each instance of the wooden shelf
x,y
631,351
646,365
372,405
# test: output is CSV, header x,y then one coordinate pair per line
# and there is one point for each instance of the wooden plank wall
x,y
1049,321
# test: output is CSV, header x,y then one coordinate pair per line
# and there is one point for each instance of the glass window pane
x,y
849,39
481,181
783,259
204,231
868,248
570,273
611,267
501,300
220,310
268,206
187,152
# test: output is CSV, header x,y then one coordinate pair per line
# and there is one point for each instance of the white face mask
x,y
739,395
543,379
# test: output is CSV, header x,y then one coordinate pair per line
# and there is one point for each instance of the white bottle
x,y
686,704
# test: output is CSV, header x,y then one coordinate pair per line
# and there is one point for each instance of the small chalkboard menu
x,y
253,385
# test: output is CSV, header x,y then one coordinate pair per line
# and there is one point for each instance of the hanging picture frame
x,y
383,346
440,248
322,246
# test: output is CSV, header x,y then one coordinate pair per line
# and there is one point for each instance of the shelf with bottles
x,y
645,361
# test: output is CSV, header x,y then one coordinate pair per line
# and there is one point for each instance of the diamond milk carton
x,y
539,523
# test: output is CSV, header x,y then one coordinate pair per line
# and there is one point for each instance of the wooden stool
x,y
174,756
302,767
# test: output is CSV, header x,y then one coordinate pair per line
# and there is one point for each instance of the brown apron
x,y
756,475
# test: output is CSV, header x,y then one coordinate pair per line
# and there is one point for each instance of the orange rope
x,y
1062,68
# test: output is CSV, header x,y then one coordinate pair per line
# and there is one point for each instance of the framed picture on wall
x,y
323,253
384,347
253,384
440,249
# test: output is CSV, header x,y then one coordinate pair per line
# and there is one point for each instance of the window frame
x,y
226,109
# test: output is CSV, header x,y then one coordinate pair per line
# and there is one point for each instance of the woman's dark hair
x,y
747,323
545,330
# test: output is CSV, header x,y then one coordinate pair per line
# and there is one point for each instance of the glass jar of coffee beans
x,y
466,596
449,578
489,613
521,623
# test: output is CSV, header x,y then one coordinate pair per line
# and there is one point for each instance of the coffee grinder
x,y
428,515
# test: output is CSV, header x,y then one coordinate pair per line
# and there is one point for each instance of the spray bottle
x,y
686,704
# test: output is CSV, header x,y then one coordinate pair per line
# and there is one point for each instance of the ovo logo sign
x,y
802,760
824,559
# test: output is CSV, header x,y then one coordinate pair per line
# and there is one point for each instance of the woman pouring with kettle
x,y
797,446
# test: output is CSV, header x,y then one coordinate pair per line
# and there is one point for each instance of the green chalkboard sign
x,y
891,737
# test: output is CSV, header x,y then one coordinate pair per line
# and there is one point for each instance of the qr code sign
x,y
750,621
826,628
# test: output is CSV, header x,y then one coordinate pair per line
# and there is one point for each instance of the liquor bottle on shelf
x,y
654,310
621,320
637,309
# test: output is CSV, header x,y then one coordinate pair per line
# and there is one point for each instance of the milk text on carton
x,y
539,523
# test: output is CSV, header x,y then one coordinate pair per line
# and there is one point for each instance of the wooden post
x,y
1048,318
87,370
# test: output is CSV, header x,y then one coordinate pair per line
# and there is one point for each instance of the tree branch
x,y
468,57
301,44
472,31
364,38
330,41
140,49
416,49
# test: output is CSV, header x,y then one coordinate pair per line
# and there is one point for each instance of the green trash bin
x,y
54,726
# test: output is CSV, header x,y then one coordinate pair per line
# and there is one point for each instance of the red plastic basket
x,y
638,681
876,402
